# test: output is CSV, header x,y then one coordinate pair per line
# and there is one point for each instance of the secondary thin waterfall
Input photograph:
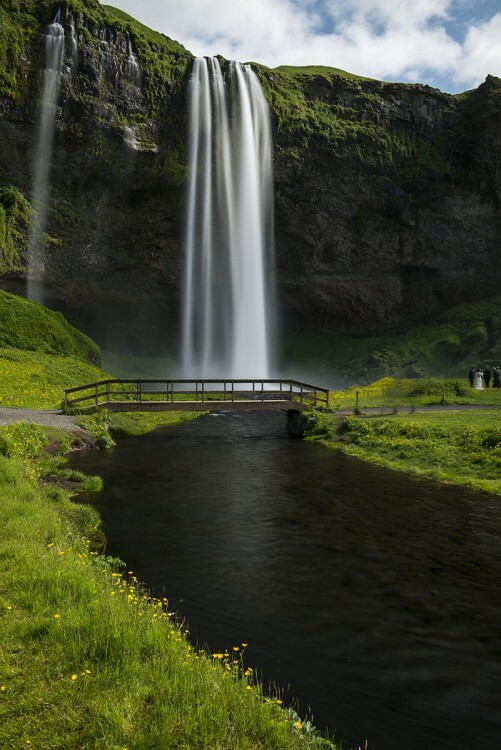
x,y
133,70
229,228
54,51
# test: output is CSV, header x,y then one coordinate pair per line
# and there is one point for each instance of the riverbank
x,y
460,447
87,658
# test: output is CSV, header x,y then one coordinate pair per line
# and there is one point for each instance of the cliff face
x,y
388,196
389,208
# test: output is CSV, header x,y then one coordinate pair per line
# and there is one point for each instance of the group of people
x,y
477,377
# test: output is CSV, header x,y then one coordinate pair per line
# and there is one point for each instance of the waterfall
x,y
74,45
229,226
54,49
134,72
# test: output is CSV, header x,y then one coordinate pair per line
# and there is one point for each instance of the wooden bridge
x,y
197,395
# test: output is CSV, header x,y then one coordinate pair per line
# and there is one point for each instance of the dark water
x,y
376,597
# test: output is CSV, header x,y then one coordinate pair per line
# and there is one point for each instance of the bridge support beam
x,y
296,423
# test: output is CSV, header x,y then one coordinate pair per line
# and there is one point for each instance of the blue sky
x,y
449,44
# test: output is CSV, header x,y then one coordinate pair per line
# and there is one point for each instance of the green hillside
x,y
32,327
41,354
445,346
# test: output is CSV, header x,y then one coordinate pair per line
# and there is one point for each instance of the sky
x,y
449,44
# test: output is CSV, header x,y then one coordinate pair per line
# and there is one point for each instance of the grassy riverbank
x,y
87,659
460,447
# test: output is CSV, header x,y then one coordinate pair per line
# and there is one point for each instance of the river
x,y
372,598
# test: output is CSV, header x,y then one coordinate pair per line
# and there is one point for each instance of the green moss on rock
x,y
15,214
29,326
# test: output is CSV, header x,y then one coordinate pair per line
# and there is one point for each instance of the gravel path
x,y
47,417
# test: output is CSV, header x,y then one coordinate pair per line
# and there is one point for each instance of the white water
x,y
54,50
229,227
134,72
74,46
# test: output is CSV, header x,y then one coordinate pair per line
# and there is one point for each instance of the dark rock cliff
x,y
388,196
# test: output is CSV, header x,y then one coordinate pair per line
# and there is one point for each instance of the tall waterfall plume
x,y
54,52
227,303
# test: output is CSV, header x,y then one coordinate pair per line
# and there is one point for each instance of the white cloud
x,y
481,52
392,39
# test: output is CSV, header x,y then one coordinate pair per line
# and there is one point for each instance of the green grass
x,y
41,355
33,380
460,447
88,660
393,392
30,326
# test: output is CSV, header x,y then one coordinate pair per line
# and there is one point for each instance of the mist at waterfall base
x,y
227,316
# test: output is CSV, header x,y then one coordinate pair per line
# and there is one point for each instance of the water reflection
x,y
375,596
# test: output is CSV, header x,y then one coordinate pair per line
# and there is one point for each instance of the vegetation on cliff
x,y
320,108
447,345
15,215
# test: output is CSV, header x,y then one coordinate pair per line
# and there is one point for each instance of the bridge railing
x,y
202,391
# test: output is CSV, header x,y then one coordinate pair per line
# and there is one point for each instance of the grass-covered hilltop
x,y
386,194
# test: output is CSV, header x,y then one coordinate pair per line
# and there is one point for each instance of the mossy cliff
x,y
388,196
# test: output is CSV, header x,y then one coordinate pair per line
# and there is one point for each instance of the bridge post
x,y
296,423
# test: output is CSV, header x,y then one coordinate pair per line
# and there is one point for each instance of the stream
x,y
372,599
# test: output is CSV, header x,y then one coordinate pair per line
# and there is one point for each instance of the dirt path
x,y
46,417
387,410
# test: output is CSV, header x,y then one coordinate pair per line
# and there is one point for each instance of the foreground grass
x,y
462,448
88,660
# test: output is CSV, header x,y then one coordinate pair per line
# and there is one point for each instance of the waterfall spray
x,y
54,49
229,232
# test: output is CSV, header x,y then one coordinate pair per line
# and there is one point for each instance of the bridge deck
x,y
196,395
212,405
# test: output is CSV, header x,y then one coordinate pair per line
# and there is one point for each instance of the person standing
x,y
487,376
496,380
478,380
471,376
